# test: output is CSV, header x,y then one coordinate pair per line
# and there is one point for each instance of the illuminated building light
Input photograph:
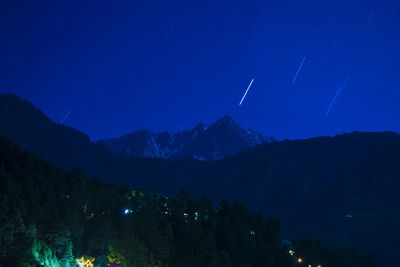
x,y
85,261
127,211
291,252
299,260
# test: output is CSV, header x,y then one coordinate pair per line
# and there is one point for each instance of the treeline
x,y
53,218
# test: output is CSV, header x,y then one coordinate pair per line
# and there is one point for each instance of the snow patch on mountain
x,y
223,138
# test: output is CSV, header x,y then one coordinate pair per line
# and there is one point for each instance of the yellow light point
x,y
299,260
319,265
85,261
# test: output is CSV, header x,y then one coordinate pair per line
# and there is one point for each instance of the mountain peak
x,y
226,121
8,99
13,106
10,96
223,137
227,118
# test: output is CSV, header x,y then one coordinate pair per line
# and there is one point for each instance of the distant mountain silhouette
x,y
342,189
23,124
223,138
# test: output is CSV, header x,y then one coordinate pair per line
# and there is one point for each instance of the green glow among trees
x,y
115,257
44,255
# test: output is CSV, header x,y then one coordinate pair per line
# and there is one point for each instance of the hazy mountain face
x,y
223,138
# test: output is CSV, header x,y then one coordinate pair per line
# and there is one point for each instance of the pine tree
x,y
59,239
149,229
44,255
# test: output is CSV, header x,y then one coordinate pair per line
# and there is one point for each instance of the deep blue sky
x,y
119,66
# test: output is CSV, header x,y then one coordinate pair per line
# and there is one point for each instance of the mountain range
x,y
342,190
222,138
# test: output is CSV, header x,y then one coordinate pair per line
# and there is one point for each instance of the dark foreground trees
x,y
52,218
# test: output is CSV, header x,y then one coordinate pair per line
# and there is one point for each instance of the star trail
x,y
157,65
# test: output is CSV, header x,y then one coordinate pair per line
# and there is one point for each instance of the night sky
x,y
319,67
